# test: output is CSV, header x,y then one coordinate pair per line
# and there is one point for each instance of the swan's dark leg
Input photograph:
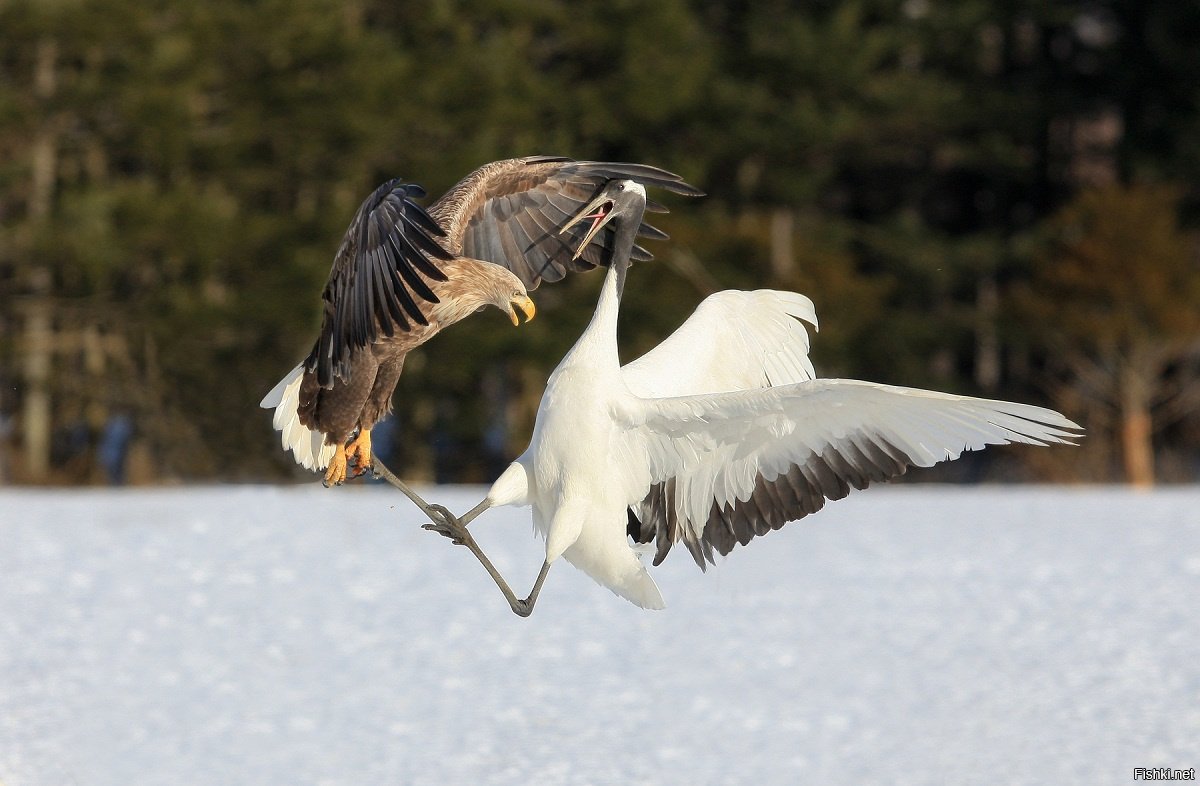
x,y
446,523
381,471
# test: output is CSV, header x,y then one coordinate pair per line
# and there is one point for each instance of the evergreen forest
x,y
989,197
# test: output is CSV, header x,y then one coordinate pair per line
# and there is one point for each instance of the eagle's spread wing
x,y
510,212
376,281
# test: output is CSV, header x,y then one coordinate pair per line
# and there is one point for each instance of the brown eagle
x,y
402,274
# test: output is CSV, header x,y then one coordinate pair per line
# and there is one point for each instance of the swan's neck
x,y
598,344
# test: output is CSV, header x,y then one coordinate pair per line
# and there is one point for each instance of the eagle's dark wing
x,y
510,212
376,281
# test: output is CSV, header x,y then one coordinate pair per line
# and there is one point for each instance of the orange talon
x,y
336,474
360,449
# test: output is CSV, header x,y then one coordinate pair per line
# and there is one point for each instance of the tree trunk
x,y
987,338
35,414
1137,449
44,154
36,410
783,257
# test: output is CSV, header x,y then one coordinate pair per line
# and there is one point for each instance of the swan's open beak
x,y
521,306
600,211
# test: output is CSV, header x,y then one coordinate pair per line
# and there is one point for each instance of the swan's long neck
x,y
598,344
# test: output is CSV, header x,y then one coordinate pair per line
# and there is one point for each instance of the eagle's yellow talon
x,y
336,473
360,449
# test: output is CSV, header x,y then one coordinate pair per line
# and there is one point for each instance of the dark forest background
x,y
998,198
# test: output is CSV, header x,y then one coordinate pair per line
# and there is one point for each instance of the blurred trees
x,y
959,187
1118,291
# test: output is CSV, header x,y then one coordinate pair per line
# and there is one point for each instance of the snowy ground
x,y
255,635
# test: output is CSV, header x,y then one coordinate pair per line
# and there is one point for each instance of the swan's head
x,y
619,200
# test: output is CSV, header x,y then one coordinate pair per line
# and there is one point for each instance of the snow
x,y
906,635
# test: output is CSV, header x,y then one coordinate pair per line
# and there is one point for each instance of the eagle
x,y
403,273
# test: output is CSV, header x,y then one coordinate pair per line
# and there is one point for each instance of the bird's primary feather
x,y
375,280
510,212
724,468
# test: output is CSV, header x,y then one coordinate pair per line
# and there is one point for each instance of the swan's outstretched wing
x,y
510,212
714,471
733,341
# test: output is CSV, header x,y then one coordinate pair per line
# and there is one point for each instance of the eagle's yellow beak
x,y
521,306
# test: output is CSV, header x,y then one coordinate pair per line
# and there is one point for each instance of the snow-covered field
x,y
911,635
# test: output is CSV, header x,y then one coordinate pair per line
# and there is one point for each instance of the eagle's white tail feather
x,y
307,446
317,447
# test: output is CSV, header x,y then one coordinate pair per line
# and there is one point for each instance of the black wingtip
x,y
652,232
422,219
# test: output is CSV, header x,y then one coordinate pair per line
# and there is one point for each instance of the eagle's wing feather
x,y
510,212
376,280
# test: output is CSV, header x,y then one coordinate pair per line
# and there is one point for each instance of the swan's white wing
x,y
716,470
734,340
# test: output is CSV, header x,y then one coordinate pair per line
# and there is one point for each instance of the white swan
x,y
719,434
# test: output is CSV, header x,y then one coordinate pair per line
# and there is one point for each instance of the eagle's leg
x,y
336,473
360,450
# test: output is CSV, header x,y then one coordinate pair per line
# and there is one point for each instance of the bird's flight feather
x,y
510,212
734,340
376,279
721,469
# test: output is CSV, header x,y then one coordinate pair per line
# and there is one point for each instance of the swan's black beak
x,y
600,210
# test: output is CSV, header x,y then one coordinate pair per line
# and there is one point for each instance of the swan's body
x,y
718,435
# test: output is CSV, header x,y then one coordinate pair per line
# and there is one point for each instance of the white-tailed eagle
x,y
402,274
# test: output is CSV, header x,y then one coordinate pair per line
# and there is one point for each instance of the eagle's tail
x,y
307,446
